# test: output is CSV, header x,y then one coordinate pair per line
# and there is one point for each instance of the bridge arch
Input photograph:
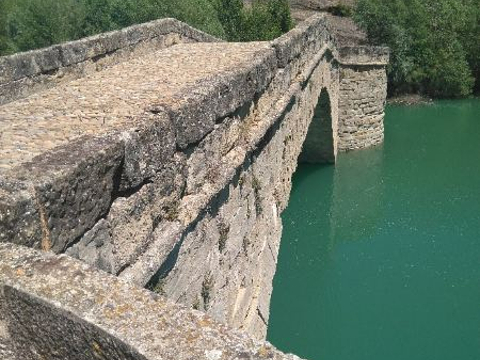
x,y
320,145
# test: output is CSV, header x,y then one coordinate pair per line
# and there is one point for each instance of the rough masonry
x,y
168,167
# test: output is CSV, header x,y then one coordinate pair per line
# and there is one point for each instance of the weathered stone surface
x,y
226,254
363,92
196,110
95,247
20,221
135,221
147,149
6,348
292,44
71,188
180,80
364,55
54,307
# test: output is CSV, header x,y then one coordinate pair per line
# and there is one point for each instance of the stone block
x,y
215,98
148,148
20,220
72,187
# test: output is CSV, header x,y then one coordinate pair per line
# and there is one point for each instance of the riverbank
x,y
410,99
417,99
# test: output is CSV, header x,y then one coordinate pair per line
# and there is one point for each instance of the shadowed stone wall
x,y
319,146
177,170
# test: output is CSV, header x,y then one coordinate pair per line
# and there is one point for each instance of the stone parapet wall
x,y
25,73
54,307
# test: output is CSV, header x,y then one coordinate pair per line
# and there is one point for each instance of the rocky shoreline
x,y
410,100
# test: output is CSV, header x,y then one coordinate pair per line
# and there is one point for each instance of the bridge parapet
x,y
25,73
55,307
362,55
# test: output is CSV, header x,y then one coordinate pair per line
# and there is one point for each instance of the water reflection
x,y
358,192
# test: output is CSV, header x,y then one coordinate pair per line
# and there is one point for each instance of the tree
x,y
263,20
31,24
6,30
426,37
232,17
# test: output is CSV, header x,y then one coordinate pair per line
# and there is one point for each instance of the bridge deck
x,y
113,98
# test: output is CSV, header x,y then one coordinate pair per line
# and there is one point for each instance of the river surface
x,y
380,256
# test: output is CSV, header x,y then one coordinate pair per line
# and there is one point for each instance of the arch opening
x,y
319,145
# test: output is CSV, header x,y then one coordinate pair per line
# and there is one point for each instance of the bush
x,y
232,17
31,24
263,20
434,43
470,40
267,20
200,14
6,44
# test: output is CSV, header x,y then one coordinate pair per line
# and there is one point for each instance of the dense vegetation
x,y
435,44
262,20
30,24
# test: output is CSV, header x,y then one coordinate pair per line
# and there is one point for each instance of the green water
x,y
380,257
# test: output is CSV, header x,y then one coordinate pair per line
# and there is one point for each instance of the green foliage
x,y
470,38
266,20
434,43
223,230
232,18
207,289
200,14
6,45
30,24
263,20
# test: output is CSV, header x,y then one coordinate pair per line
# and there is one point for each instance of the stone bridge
x,y
143,173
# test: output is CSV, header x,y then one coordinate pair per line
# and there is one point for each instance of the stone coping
x,y
60,308
364,55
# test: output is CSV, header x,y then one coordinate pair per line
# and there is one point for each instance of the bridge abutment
x,y
363,92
